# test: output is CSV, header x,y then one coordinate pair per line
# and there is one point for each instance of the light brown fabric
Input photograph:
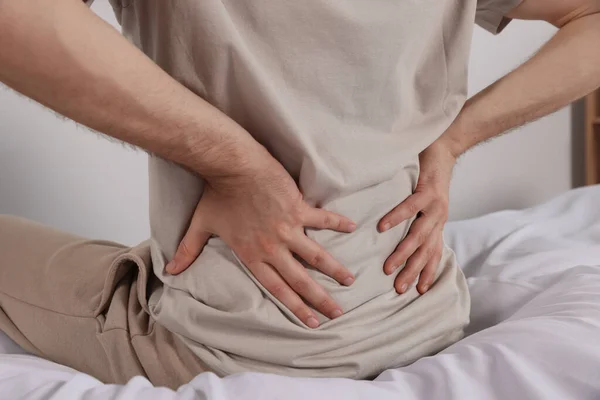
x,y
82,303
345,95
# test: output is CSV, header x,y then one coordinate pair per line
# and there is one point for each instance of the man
x,y
297,148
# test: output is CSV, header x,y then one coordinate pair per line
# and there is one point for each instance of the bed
x,y
534,276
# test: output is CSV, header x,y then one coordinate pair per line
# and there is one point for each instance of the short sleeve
x,y
491,14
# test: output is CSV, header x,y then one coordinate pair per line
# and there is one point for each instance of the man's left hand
x,y
421,249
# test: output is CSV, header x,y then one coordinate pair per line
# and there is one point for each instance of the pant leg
x,y
80,302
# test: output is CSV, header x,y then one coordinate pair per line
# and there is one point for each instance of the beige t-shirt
x,y
345,94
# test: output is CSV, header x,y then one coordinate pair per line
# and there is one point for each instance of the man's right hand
x,y
261,216
254,206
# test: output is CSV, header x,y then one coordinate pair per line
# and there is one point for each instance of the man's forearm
x,y
62,55
565,69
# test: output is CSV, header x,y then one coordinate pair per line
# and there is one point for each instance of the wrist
x,y
456,137
246,168
232,157
446,147
215,146
436,165
242,161
452,145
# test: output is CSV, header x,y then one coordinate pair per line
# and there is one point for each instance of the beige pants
x,y
82,303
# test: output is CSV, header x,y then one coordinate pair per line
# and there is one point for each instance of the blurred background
x,y
63,175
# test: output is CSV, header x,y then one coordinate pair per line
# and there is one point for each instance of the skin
x,y
565,69
72,62
76,64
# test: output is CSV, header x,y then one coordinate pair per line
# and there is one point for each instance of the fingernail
x,y
352,226
336,313
425,288
312,322
171,267
386,226
348,281
403,287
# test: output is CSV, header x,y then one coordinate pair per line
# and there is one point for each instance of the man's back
x,y
345,96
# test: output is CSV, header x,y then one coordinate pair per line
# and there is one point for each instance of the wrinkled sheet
x,y
534,277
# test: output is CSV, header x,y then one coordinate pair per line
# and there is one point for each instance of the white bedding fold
x,y
535,284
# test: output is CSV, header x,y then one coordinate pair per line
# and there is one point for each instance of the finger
x,y
403,211
323,219
419,232
415,264
318,257
188,250
274,283
298,279
428,274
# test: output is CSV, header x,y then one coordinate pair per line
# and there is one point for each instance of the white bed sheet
x,y
534,276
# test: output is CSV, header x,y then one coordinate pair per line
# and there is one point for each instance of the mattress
x,y
534,277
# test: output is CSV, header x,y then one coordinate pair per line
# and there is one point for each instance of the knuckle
x,y
298,212
430,252
421,237
245,250
411,276
283,231
317,259
268,247
277,290
184,249
327,220
339,273
427,274
402,253
407,245
258,269
299,206
324,304
301,312
300,286
408,242
412,267
270,250
413,208
421,260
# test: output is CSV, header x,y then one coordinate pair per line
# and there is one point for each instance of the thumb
x,y
188,250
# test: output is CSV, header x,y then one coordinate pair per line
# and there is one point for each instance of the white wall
x,y
65,176
526,166
57,173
